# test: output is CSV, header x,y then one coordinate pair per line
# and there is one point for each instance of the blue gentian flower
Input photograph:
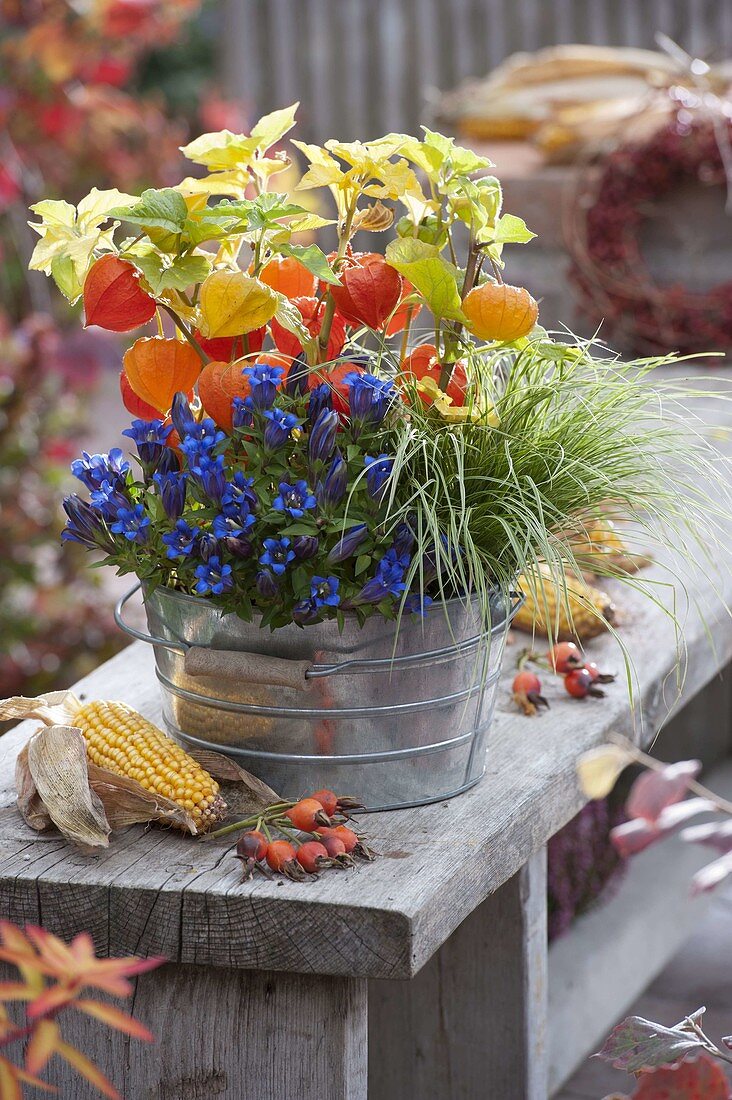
x,y
324,591
403,539
181,540
369,399
387,581
348,543
183,419
213,577
322,436
417,605
378,471
266,584
227,527
238,494
295,499
264,380
108,499
84,525
296,383
277,555
169,462
305,546
241,414
209,473
278,428
172,489
132,523
150,437
92,470
332,490
321,397
202,440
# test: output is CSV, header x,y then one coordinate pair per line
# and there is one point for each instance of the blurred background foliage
x,y
100,94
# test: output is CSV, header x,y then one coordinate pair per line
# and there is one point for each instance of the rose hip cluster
x,y
581,677
313,837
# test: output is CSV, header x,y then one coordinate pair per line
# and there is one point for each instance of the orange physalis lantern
x,y
223,349
369,292
423,363
113,297
157,368
496,311
288,276
311,311
133,403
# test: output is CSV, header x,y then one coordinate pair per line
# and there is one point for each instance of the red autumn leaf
x,y
113,297
12,1077
88,1070
654,790
637,1045
703,1079
134,404
114,1017
311,311
42,1046
369,292
222,349
633,836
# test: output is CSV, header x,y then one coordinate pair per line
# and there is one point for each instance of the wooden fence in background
x,y
363,67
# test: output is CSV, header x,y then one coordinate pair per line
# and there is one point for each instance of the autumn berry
x,y
282,857
565,656
313,857
327,800
578,683
597,676
252,845
307,814
346,835
336,849
527,692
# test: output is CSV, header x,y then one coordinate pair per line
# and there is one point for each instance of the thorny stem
x,y
186,332
650,762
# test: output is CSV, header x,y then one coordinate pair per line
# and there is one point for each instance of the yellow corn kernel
x,y
581,612
122,741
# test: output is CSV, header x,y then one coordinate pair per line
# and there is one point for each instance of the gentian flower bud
x,y
169,462
403,539
278,428
305,612
348,543
266,584
183,419
296,382
207,546
321,397
378,471
305,546
241,414
322,436
172,490
332,490
239,546
209,473
84,525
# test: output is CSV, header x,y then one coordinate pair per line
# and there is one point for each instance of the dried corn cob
x,y
580,612
122,741
600,545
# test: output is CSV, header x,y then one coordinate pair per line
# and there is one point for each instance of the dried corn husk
x,y
572,609
58,785
599,547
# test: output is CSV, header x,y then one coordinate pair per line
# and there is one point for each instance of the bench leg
x,y
472,1024
232,1035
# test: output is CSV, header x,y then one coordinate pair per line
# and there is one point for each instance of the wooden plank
x,y
607,958
476,1013
233,1035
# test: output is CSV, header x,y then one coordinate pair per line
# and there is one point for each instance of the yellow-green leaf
x,y
289,316
598,769
431,275
221,150
233,303
274,126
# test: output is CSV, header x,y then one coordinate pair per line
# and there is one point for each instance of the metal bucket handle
x,y
259,668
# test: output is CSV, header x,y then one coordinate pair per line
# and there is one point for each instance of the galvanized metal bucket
x,y
395,718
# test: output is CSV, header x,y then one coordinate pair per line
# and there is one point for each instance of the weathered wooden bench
x,y
423,974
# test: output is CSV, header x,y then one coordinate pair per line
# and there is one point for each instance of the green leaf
x,y
363,561
221,150
313,258
463,161
182,273
290,318
162,209
430,274
512,230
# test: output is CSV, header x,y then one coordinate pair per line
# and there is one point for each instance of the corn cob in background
x,y
599,546
122,741
578,611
